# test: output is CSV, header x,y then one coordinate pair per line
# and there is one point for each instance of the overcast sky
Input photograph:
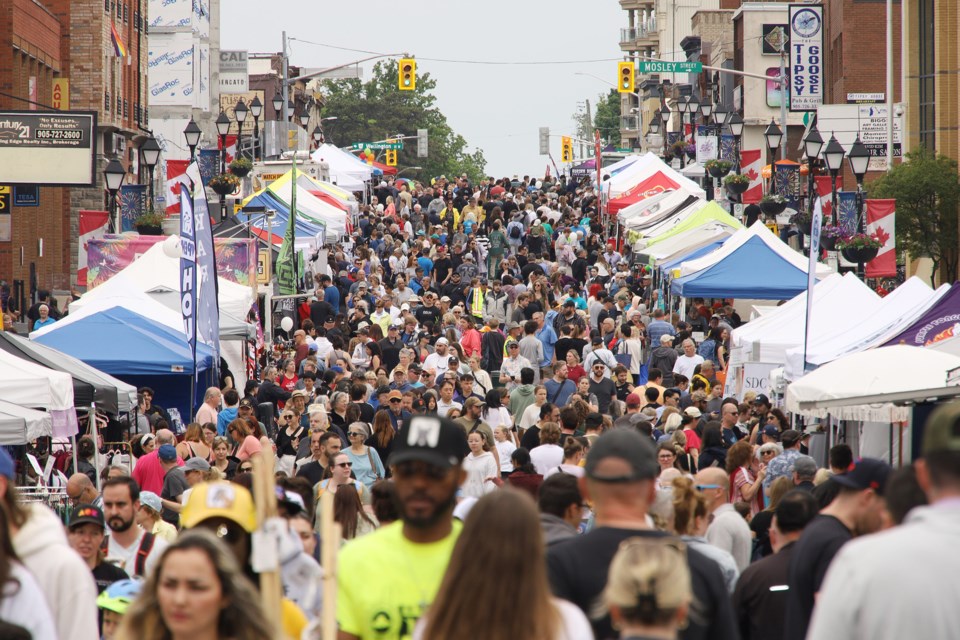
x,y
497,108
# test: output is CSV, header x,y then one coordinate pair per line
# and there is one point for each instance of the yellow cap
x,y
219,499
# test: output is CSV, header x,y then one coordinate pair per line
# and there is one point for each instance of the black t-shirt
x,y
312,471
566,344
760,525
174,484
531,438
426,314
820,542
605,389
105,574
366,412
578,570
441,267
757,604
390,353
320,311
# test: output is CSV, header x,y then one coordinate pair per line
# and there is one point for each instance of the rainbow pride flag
x,y
118,47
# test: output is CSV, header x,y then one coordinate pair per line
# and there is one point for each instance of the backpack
x,y
146,546
515,232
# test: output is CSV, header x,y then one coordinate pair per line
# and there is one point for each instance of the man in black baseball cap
x,y
425,462
620,475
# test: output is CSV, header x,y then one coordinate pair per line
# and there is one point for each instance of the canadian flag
x,y
175,169
880,222
93,224
750,165
231,147
824,188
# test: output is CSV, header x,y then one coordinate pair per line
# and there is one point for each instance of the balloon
x,y
286,324
171,247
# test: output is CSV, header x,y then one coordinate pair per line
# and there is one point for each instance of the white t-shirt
x,y
530,417
686,364
571,469
438,362
444,407
26,605
478,469
126,557
505,449
545,457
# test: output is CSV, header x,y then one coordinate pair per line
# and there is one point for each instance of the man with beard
x,y
128,546
387,579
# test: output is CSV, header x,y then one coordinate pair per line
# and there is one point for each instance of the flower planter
x,y
773,208
737,187
149,229
718,172
222,189
240,172
692,154
828,242
860,255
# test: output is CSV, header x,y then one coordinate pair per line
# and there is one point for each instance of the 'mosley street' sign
x,y
657,66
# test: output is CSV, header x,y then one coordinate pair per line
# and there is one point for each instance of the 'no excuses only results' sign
x,y
48,148
805,58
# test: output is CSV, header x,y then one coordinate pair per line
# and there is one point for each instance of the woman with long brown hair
x,y
690,520
193,445
381,440
527,610
242,433
745,484
348,511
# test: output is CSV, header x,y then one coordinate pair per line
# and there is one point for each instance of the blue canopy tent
x,y
139,351
753,271
303,229
693,255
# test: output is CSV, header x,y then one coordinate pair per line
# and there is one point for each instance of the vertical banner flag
x,y
847,204
805,57
209,161
812,271
707,144
286,269
750,165
93,225
880,221
728,148
786,180
188,272
207,310
175,169
825,194
133,200
119,49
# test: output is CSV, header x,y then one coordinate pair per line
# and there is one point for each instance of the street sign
x,y
395,146
662,66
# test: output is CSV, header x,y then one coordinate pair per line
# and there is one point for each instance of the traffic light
x,y
391,156
422,137
544,141
566,149
626,77
408,74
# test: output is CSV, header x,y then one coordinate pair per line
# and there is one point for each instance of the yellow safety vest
x,y
476,307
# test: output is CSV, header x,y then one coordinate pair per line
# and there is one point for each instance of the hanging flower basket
x,y
241,167
860,255
224,184
718,168
828,242
691,151
149,224
773,204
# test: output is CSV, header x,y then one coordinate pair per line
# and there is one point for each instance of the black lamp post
x,y
318,136
150,151
256,108
833,158
277,106
812,145
240,111
304,118
736,128
192,134
113,175
859,159
773,136
223,128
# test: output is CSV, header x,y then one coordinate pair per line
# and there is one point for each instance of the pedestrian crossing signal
x,y
391,157
408,74
627,77
566,149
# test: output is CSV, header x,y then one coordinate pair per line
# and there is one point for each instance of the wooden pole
x,y
330,534
265,498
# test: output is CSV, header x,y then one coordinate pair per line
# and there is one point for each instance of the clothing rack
x,y
56,499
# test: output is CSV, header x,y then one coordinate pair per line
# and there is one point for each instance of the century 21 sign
x,y
806,57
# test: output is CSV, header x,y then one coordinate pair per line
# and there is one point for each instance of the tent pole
x,y
94,431
73,440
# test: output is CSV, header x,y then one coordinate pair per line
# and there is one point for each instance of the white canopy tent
x,y
19,425
667,224
652,210
758,230
312,207
865,385
346,170
897,310
688,241
643,168
694,170
31,385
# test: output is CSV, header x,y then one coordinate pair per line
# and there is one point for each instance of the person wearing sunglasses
x,y
341,472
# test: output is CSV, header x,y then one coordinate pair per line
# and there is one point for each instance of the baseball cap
x,y
445,299
87,514
219,499
761,399
394,395
596,340
246,402
336,369
196,464
693,412
942,431
167,452
627,445
665,338
865,473
771,432
472,401
569,303
789,437
7,467
151,500
441,341
437,441
633,400
805,467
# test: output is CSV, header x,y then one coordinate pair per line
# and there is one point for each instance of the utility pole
x,y
783,102
283,83
586,130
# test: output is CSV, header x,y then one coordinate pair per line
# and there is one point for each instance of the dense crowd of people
x,y
520,439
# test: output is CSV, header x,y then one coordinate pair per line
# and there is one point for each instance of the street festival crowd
x,y
521,442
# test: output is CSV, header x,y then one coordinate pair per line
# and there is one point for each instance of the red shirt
x,y
149,473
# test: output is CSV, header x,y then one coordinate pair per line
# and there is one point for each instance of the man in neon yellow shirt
x,y
386,580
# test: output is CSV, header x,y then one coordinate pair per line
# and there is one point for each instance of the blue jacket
x,y
225,417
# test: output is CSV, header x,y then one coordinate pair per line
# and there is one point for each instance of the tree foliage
x,y
927,190
377,109
607,118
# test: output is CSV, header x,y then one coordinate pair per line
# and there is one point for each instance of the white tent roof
x,y
652,210
346,171
668,224
334,219
839,302
836,387
123,294
19,425
740,238
31,385
694,170
897,310
689,241
646,166
156,272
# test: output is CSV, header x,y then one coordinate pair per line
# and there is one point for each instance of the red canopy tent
x,y
657,183
387,171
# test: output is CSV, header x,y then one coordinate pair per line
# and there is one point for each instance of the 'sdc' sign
x,y
806,56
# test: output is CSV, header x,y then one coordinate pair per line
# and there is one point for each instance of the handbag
x,y
373,467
